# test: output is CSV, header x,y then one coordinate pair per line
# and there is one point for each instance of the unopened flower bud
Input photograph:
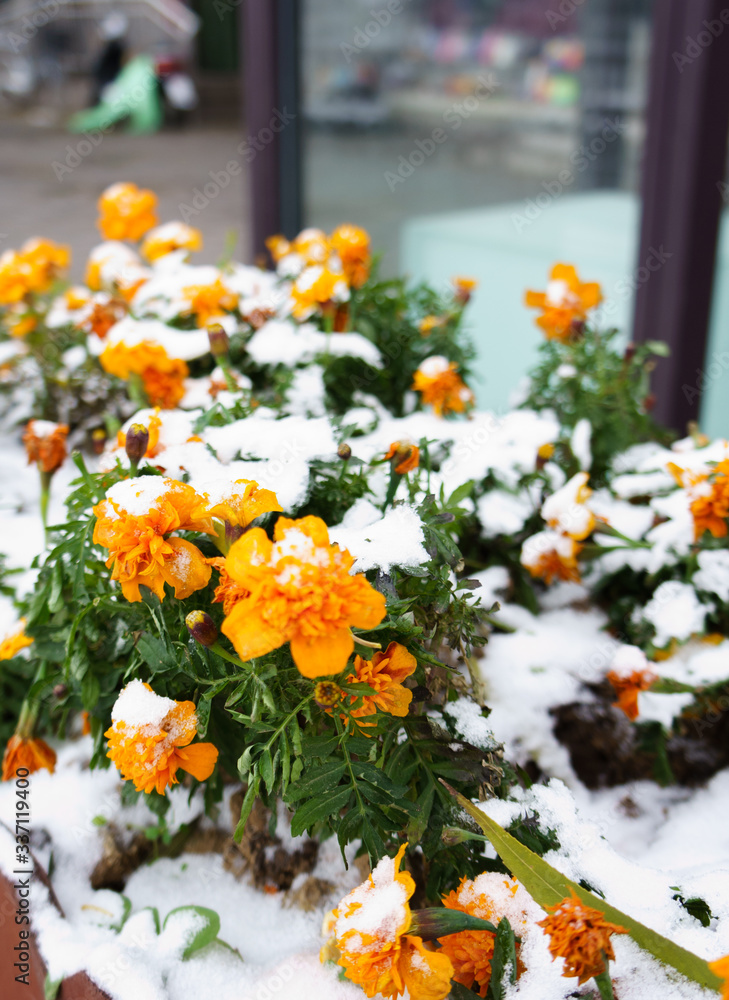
x,y
327,694
60,691
629,353
544,453
219,341
98,440
649,402
437,921
344,451
202,628
136,443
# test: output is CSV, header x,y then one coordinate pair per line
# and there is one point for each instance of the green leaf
x,y
461,992
154,652
206,932
245,810
316,780
317,809
51,987
504,955
549,887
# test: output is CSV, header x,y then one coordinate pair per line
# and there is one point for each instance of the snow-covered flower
x,y
168,238
209,302
440,386
163,377
551,555
566,509
581,936
566,301
352,245
45,444
150,736
126,212
629,675
14,641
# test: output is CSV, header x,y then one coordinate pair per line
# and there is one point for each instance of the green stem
x,y
289,717
604,984
45,496
217,648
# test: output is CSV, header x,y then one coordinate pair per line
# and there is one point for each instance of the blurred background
x,y
488,138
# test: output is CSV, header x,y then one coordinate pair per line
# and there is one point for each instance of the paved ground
x,y
35,200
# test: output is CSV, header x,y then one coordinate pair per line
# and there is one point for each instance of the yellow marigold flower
x,y
14,641
48,260
628,687
311,244
371,933
318,287
169,237
30,753
112,265
720,968
16,278
710,498
278,246
76,297
352,245
440,386
150,736
471,952
405,456
463,289
135,522
302,592
163,377
566,301
385,673
430,323
551,555
581,936
566,509
45,444
237,503
126,212
24,324
209,302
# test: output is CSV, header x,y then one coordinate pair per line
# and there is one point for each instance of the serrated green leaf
x,y
549,887
317,780
245,810
319,808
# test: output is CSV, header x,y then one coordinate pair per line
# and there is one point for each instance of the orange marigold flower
x,y
135,521
404,455
236,503
150,736
48,260
710,509
581,936
464,288
471,952
16,278
720,968
385,673
370,930
126,212
352,246
76,297
228,592
45,444
551,555
628,687
566,301
318,286
209,302
430,323
278,246
311,244
14,641
169,237
566,509
440,386
113,265
29,753
302,592
103,316
24,324
163,377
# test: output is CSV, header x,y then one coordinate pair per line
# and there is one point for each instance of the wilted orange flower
x,y
352,246
150,736
720,968
301,592
370,929
385,673
551,555
171,236
464,288
135,522
318,286
581,936
30,753
127,212
628,687
567,300
440,386
405,454
209,302
471,952
45,444
162,376
48,260
14,641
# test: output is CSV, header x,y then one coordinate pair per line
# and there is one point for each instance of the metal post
x,y
684,160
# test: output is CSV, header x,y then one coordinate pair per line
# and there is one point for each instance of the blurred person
x,y
106,69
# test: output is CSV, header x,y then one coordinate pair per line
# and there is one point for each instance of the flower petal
x,y
319,656
427,974
187,570
198,760
249,633
253,549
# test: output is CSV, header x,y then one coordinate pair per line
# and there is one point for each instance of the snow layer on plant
x,y
305,396
470,723
283,342
385,540
503,513
261,436
138,496
580,443
676,612
713,573
184,344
